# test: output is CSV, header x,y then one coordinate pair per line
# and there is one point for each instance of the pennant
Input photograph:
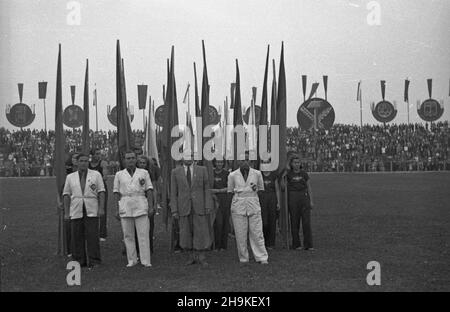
x,y
142,96
314,88
150,145
20,86
254,94
358,92
383,88
124,134
59,167
85,134
186,99
325,85
405,95
72,94
198,111
232,92
237,113
273,100
281,112
430,87
205,96
304,80
94,103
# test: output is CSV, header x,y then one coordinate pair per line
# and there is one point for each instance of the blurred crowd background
x,y
343,148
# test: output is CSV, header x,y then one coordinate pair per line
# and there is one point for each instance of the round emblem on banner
x,y
20,115
257,115
384,111
315,113
160,115
214,117
112,116
73,116
430,110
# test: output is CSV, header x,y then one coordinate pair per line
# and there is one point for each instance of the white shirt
x,y
191,168
133,202
72,187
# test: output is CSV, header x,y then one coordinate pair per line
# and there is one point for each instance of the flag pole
x,y
96,111
45,118
360,107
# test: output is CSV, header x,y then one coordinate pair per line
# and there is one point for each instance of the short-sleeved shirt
x,y
220,179
296,181
133,202
269,182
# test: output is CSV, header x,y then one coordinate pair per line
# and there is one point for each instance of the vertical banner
x,y
42,86
383,88
142,95
72,94
20,86
430,87
304,81
325,85
405,94
85,134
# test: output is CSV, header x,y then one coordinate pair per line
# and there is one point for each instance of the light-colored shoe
x,y
264,262
102,239
131,264
148,265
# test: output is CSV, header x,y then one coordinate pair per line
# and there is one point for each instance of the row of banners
x,y
313,113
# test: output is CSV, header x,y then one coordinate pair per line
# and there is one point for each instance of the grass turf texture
x,y
400,220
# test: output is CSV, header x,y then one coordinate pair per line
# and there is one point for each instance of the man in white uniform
x,y
244,183
84,197
133,195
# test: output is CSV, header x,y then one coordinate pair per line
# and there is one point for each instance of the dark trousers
x,y
300,211
152,230
222,223
85,240
268,202
68,234
102,220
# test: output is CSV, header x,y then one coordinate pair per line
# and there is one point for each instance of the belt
x,y
133,195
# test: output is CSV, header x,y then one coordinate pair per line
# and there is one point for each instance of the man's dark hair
x,y
94,150
82,155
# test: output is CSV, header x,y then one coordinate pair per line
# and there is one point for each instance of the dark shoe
x,y
309,249
191,262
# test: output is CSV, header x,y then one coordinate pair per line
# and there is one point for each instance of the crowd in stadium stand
x,y
343,148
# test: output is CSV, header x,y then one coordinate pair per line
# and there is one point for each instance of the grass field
x,y
400,220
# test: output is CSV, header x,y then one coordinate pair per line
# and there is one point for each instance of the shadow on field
x,y
400,220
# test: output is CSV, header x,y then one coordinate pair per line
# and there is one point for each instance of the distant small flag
x,y
358,92
304,80
383,88
95,97
325,85
430,87
232,95
186,94
142,96
314,87
72,93
405,96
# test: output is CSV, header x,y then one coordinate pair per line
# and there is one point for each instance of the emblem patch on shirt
x,y
141,181
93,187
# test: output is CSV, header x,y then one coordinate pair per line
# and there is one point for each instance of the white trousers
x,y
142,225
251,227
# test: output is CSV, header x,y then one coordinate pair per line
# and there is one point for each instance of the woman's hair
x,y
291,159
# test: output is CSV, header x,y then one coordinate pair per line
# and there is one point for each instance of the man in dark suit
x,y
191,203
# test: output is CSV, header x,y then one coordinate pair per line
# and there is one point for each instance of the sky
x,y
347,40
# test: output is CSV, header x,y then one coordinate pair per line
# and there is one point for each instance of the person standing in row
x,y
191,203
269,199
134,202
244,183
300,203
223,198
84,197
101,166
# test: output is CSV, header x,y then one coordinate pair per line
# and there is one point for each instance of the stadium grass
x,y
401,220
